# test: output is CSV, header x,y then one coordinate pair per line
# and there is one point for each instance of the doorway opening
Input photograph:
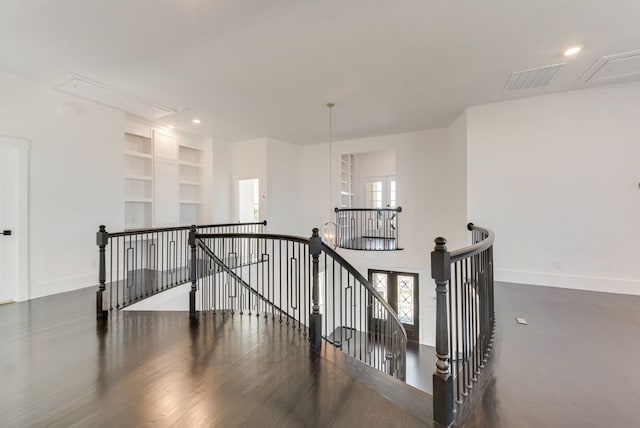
x,y
249,200
400,290
14,284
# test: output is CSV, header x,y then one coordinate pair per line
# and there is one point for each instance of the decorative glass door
x,y
400,290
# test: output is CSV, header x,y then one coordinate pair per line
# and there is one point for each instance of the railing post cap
x,y
470,226
315,232
193,228
336,209
441,244
102,237
399,209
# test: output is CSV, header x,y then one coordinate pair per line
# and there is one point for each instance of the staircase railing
x,y
372,229
302,283
465,320
136,264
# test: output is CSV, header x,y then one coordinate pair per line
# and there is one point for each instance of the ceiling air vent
x,y
531,79
103,94
623,66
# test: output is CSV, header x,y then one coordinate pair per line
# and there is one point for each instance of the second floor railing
x,y
300,282
136,264
372,229
465,321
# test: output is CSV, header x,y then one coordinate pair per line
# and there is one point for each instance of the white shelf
x,y
139,177
138,200
187,145
139,154
193,164
163,176
346,181
191,182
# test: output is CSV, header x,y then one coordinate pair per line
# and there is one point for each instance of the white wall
x,y
222,186
371,164
454,168
315,205
76,170
208,182
431,177
283,187
249,160
556,177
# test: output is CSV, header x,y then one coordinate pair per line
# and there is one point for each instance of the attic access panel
x,y
624,66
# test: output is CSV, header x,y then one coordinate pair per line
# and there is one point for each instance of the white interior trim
x,y
23,146
576,282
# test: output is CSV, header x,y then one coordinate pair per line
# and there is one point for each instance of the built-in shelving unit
x,y
346,181
138,151
190,180
163,177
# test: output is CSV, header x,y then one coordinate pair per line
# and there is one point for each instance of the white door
x,y
13,219
249,200
379,192
8,214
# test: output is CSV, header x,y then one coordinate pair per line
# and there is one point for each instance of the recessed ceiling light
x,y
572,50
196,121
171,126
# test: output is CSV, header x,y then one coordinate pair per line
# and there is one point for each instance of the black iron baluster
x,y
194,277
315,320
442,381
102,239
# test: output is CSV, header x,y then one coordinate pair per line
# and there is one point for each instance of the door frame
x,y
386,189
22,291
413,331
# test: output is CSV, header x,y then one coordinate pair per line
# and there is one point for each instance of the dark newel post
x,y
315,321
194,275
102,239
442,379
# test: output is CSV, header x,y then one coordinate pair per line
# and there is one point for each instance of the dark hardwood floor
x,y
61,368
573,365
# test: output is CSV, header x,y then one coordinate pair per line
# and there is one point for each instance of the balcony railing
x,y
465,322
371,229
136,264
302,283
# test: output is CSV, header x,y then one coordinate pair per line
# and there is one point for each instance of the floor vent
x,y
103,94
531,79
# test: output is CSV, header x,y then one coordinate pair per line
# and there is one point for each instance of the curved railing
x,y
136,264
372,229
385,338
301,282
465,321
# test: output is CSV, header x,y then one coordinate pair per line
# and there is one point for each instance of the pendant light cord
x,y
330,106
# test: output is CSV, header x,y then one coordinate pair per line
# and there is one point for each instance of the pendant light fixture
x,y
329,229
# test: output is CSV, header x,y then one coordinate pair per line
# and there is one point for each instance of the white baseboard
x,y
62,285
577,282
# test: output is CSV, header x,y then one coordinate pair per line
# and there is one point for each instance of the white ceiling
x,y
256,68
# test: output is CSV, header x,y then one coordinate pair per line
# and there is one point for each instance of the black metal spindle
x,y
315,320
102,239
193,271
